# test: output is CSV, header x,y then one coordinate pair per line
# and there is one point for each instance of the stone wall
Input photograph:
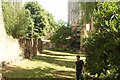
x,y
30,47
9,47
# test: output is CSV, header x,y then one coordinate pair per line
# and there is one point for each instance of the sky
x,y
58,8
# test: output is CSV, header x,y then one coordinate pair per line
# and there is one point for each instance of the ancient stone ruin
x,y
30,47
9,47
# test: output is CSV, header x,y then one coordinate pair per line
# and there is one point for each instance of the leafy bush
x,y
62,36
102,48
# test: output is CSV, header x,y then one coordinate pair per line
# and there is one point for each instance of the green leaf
x,y
106,22
114,29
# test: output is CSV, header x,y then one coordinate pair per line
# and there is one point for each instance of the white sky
x,y
58,8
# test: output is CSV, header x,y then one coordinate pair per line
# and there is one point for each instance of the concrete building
x,y
74,17
73,21
73,13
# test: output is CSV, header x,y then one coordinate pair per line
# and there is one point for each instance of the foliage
x,y
16,20
86,9
52,25
62,35
33,21
43,20
102,47
29,32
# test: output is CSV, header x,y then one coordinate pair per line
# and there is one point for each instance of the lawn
x,y
49,64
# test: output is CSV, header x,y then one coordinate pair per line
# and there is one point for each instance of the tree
x,y
51,24
87,9
29,32
16,20
102,47
43,21
61,36
87,13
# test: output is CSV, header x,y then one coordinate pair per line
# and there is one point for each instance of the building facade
x,y
73,12
74,17
73,21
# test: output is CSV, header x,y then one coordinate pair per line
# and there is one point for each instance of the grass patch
x,y
49,64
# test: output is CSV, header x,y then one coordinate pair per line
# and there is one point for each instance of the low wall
x,y
30,47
